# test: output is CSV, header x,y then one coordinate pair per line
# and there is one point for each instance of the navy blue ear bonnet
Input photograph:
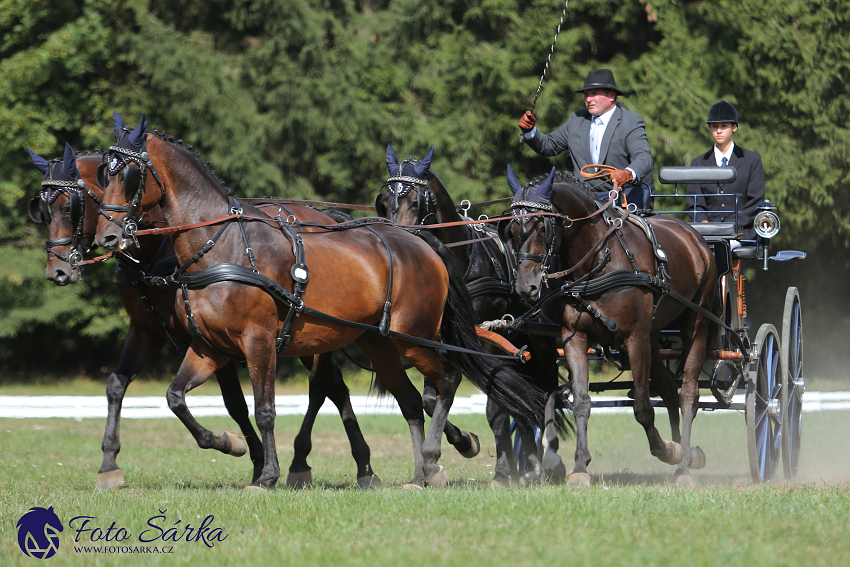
x,y
60,176
59,173
409,172
132,140
531,194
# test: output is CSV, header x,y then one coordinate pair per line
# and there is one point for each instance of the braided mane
x,y
193,152
566,178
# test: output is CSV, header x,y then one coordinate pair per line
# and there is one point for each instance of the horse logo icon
x,y
38,532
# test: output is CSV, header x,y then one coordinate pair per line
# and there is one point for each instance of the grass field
x,y
631,515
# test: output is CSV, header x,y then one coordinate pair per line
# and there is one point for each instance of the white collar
x,y
718,157
605,118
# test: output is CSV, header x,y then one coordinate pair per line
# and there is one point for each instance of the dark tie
x,y
723,162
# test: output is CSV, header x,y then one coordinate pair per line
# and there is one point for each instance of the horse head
x,y
70,216
407,198
532,233
124,177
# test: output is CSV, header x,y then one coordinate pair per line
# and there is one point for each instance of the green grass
x,y
631,515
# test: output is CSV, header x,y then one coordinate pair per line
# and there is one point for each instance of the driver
x,y
604,133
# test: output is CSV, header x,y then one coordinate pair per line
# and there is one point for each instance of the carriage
x,y
761,375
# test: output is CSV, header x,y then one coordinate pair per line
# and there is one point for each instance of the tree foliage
x,y
299,98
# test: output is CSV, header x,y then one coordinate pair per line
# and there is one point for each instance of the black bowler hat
x,y
722,112
601,79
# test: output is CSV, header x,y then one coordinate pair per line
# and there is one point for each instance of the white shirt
x,y
718,157
598,124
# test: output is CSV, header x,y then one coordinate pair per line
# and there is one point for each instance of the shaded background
x,y
299,98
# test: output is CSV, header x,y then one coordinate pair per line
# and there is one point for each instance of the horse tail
x,y
502,381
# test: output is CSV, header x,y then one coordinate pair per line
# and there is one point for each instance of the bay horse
x,y
303,294
69,208
621,286
415,196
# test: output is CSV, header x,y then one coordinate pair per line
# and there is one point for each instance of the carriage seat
x,y
717,229
746,252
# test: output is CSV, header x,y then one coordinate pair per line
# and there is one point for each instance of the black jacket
x,y
749,185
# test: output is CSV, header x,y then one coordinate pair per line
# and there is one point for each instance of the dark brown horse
x,y
70,210
301,294
415,196
606,300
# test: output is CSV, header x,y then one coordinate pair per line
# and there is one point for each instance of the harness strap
x,y
234,272
384,325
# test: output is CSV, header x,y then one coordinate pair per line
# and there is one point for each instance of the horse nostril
x,y
109,242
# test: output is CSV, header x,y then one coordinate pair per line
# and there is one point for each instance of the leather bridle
x,y
79,242
116,159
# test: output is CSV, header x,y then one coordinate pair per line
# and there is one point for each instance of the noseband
x,y
115,163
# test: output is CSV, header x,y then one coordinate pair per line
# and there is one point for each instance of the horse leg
x,y
465,442
531,438
261,359
387,365
553,468
300,474
665,382
140,345
575,355
689,398
669,452
234,401
428,363
197,366
326,381
499,421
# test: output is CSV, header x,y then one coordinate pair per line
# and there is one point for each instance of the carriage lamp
x,y
766,222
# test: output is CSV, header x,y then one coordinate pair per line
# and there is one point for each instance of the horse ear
x,y
69,162
138,133
513,182
117,124
40,163
424,165
392,161
545,189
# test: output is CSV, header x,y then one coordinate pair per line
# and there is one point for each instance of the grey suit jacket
x,y
748,185
623,145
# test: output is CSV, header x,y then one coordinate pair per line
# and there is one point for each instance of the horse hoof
x,y
529,478
413,486
238,447
558,475
675,451
300,480
474,445
500,483
697,458
684,481
255,488
579,480
110,480
369,482
439,479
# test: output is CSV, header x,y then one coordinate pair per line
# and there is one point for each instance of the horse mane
x,y
192,153
89,153
565,178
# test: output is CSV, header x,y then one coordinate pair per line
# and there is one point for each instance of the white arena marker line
x,y
149,407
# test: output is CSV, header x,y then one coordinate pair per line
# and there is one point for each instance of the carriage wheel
x,y
792,395
764,407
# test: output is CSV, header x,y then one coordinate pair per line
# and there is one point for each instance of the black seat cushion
x,y
715,228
